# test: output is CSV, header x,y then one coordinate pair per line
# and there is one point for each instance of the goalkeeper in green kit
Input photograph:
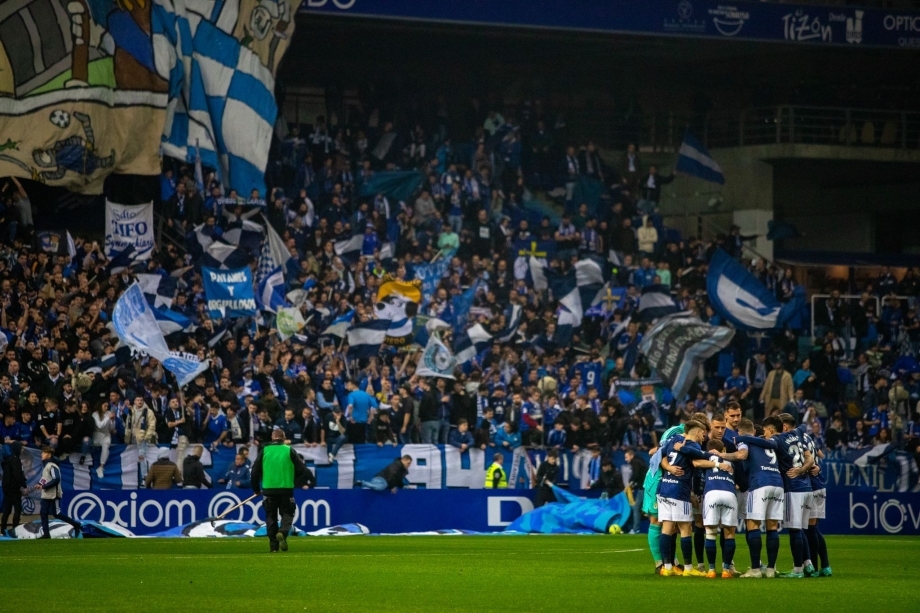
x,y
650,501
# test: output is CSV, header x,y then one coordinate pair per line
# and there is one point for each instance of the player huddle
x,y
716,472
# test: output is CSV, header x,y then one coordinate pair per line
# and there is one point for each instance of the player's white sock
x,y
797,569
668,566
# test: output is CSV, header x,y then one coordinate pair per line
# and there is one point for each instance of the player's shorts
x,y
766,503
671,509
720,509
798,510
818,504
741,500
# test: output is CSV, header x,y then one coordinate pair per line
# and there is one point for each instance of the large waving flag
x,y
678,344
743,300
136,326
221,62
694,159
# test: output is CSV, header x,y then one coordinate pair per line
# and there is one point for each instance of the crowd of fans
x,y
62,383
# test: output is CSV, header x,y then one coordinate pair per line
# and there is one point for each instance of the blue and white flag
x,y
365,338
678,345
512,323
136,326
159,291
245,234
460,307
470,343
693,159
566,322
744,301
580,288
220,254
171,321
350,248
199,173
121,261
229,292
340,325
270,292
270,276
221,63
655,303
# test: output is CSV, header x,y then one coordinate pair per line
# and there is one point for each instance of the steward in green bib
x,y
495,474
273,476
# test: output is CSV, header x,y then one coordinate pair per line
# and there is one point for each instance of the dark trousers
x,y
12,503
544,495
53,508
273,505
357,433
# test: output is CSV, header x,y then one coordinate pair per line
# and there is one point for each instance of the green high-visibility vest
x,y
491,474
277,467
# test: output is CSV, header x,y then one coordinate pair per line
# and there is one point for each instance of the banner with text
x,y
760,21
229,292
129,227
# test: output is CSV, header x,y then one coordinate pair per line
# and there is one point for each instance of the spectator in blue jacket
x,y
556,439
508,437
461,437
238,475
359,406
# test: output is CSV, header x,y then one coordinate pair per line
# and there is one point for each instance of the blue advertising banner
x,y
771,22
150,511
229,292
872,513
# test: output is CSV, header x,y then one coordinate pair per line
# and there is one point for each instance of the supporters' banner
x,y
129,226
289,322
431,274
436,360
678,345
49,241
85,87
229,292
743,300
398,302
80,93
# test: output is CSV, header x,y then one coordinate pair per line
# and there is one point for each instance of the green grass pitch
x,y
448,573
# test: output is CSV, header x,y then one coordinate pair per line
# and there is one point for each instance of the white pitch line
x,y
325,555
